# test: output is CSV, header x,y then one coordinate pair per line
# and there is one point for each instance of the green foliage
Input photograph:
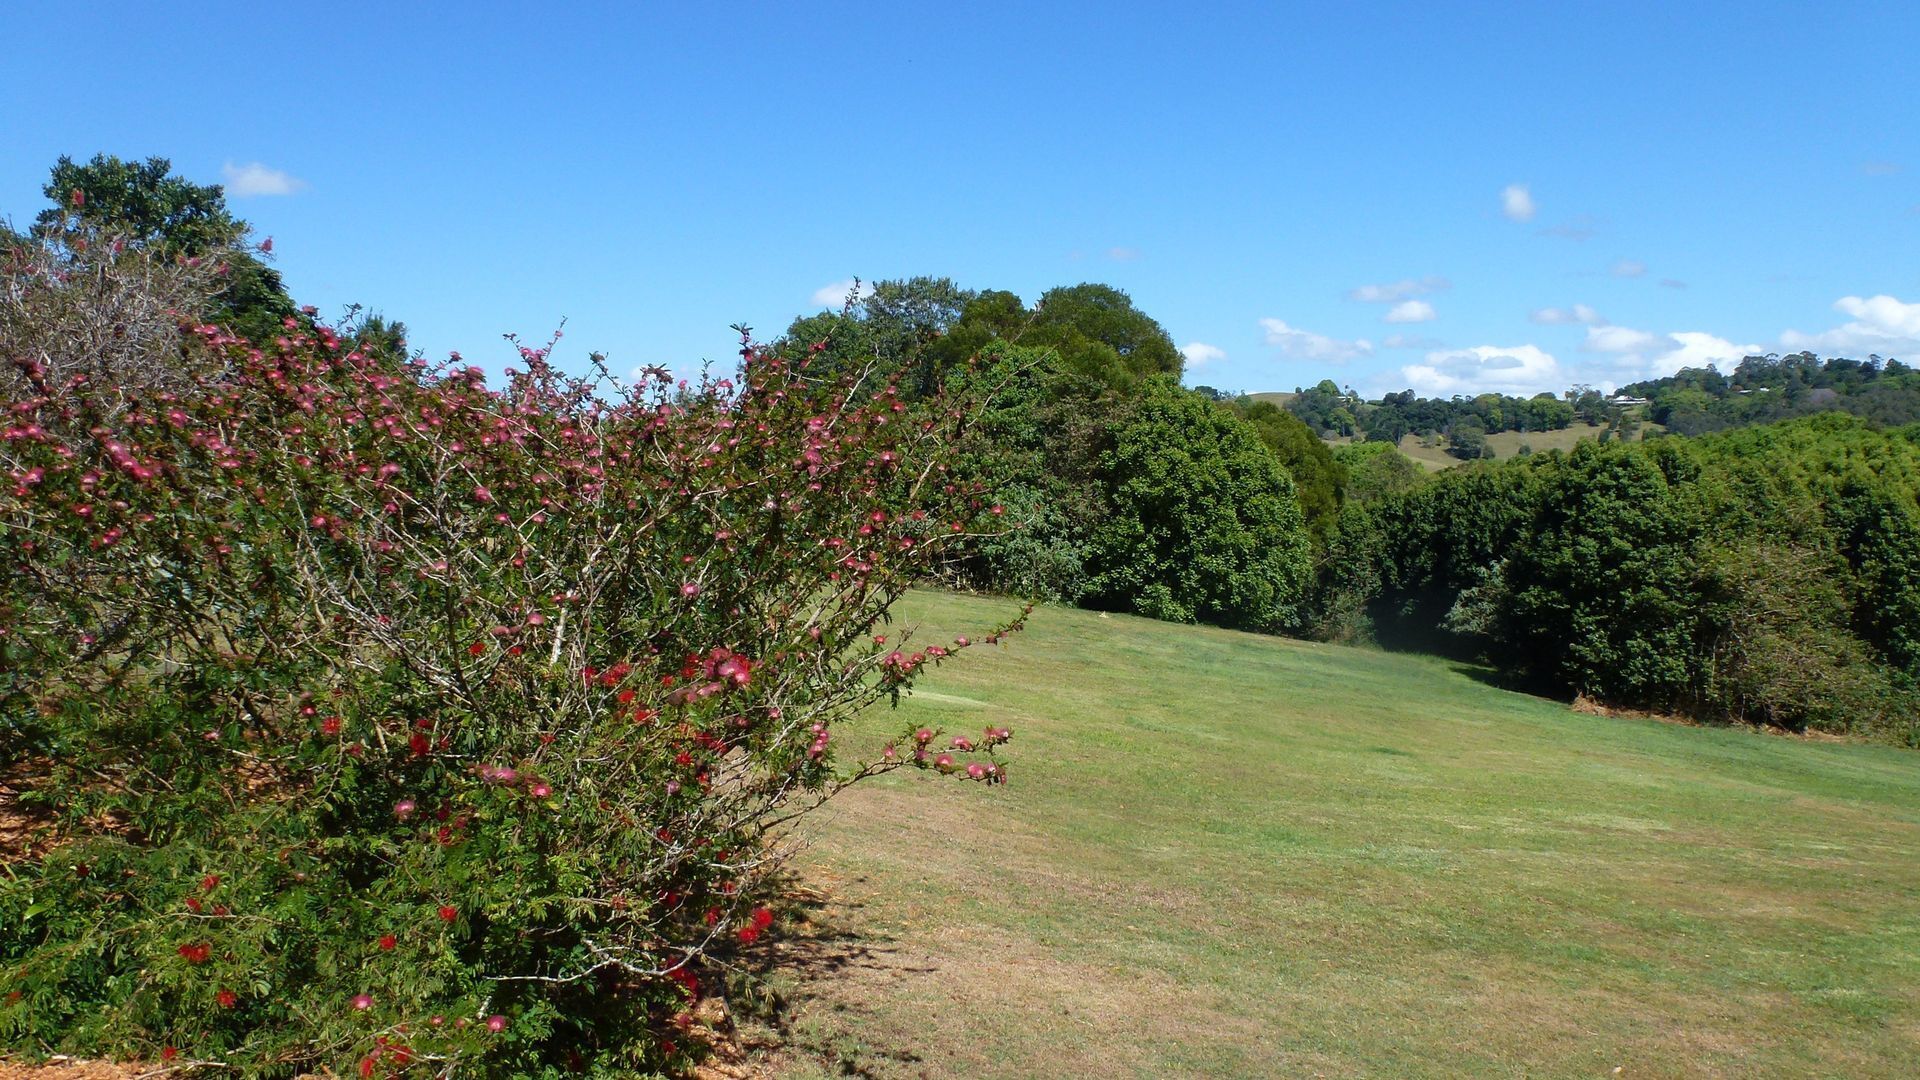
x,y
1377,471
1100,334
1319,480
1766,574
1764,389
1203,524
1599,595
143,204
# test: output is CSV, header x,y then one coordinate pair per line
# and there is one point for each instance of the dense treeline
x,y
1769,575
1327,408
1763,389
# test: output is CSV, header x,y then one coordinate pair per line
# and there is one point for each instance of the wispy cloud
x,y
1880,168
1411,311
1577,227
835,294
1301,344
1409,341
1577,315
1618,339
1396,291
1672,283
1123,254
1516,202
1628,268
254,179
1199,353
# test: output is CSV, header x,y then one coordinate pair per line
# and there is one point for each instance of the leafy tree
x,y
1203,524
1377,471
1319,481
144,205
1100,334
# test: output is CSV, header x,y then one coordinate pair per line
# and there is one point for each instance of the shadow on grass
x,y
787,986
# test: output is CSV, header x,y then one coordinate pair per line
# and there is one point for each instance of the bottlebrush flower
x,y
448,913
227,998
387,942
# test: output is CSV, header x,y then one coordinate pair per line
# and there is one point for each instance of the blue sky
x,y
1452,198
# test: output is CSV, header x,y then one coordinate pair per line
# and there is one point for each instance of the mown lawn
x,y
1232,855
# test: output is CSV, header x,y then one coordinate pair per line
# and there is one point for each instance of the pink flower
x,y
362,1002
690,589
496,1023
403,808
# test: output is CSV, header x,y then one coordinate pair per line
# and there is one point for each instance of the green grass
x,y
1231,855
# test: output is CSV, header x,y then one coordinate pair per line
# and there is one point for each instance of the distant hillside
x,y
1763,389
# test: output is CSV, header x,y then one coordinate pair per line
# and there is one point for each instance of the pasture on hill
x,y
1234,855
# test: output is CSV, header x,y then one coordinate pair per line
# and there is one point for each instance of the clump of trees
x,y
1329,409
1763,389
1122,490
1765,575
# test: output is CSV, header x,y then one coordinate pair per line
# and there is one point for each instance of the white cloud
x,y
1694,349
1881,324
1629,268
1577,315
1306,345
1411,311
1642,355
1516,201
1394,292
834,294
1123,254
1199,352
1521,370
1672,283
1880,168
1410,341
253,178
1618,339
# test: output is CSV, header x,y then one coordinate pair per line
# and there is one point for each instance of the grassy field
x,y
1507,444
1232,855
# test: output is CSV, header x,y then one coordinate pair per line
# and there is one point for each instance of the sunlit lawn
x,y
1232,855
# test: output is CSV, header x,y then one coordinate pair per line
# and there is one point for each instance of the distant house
x,y
1627,401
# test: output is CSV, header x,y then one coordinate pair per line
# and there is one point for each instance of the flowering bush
x,y
384,722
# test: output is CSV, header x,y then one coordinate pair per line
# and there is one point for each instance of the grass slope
x,y
1233,855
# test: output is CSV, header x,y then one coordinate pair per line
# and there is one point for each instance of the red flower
x,y
448,913
476,648
210,882
418,743
330,726
227,998
366,1066
762,918
196,953
388,941
168,1053
748,935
